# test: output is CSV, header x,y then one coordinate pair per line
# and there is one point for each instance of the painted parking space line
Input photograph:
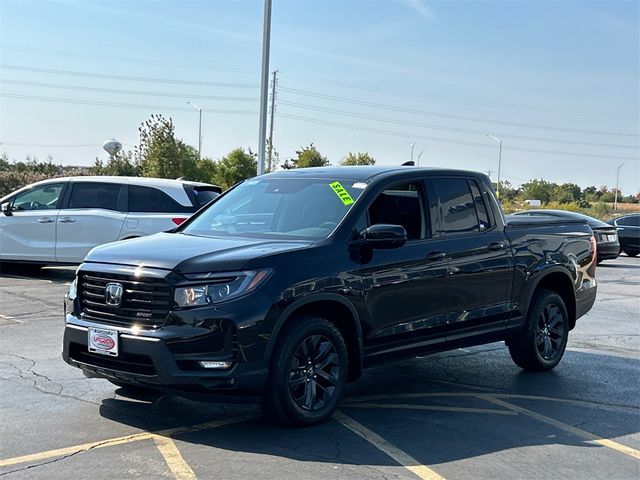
x,y
401,457
632,452
172,456
434,408
75,449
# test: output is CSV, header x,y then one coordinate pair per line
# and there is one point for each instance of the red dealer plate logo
x,y
103,341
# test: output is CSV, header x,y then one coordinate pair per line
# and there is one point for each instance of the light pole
x,y
264,87
615,200
499,162
412,145
199,127
419,155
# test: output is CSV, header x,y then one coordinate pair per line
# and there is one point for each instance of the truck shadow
x,y
437,409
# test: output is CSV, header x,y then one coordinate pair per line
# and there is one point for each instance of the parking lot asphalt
x,y
464,414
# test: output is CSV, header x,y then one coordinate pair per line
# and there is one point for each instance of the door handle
x,y
435,256
495,246
44,220
66,220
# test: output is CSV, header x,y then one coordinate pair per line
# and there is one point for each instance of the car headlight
x,y
218,287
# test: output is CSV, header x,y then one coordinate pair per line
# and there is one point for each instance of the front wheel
x,y
631,252
542,342
308,372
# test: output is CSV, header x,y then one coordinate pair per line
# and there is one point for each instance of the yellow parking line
x,y
61,452
180,469
403,458
632,452
435,408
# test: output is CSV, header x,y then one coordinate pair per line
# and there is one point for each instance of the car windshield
x,y
278,207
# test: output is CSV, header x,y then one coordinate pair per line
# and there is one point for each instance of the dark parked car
x,y
286,286
606,235
628,227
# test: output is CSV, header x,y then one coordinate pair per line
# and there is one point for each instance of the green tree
x,y
160,154
236,166
358,158
539,190
121,164
306,157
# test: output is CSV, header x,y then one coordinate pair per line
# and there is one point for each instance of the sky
x,y
557,80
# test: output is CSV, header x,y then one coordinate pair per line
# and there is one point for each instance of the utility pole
x,y
615,200
199,127
273,110
489,172
499,162
264,87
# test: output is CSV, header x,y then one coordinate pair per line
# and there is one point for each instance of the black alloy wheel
x,y
549,332
307,373
543,339
315,372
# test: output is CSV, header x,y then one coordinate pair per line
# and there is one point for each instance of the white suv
x,y
61,219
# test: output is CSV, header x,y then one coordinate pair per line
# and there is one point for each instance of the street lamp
x,y
419,155
499,161
615,200
412,145
199,127
264,85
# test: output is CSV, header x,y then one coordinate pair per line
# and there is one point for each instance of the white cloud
x,y
424,10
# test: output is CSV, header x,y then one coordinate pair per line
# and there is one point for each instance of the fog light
x,y
217,365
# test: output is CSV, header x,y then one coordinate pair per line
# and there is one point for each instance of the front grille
x,y
145,301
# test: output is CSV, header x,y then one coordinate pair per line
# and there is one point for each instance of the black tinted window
x,y
203,195
457,205
400,205
630,221
95,195
481,208
152,200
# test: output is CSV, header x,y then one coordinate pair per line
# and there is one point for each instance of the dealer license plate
x,y
103,341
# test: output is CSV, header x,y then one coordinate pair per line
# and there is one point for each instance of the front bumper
x,y
166,359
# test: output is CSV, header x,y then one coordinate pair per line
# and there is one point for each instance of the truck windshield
x,y
282,207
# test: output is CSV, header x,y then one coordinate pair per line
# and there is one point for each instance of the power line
x,y
449,129
468,118
445,140
120,58
413,95
129,92
126,77
124,105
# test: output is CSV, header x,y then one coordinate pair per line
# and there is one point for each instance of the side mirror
x,y
384,236
6,209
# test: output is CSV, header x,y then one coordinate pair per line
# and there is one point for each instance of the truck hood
x,y
190,254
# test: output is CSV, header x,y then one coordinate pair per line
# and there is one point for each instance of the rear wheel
x,y
308,372
542,343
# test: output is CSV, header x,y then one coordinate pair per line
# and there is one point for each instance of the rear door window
x,y
95,195
457,207
481,207
153,200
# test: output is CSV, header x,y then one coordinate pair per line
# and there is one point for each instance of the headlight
x,y
218,287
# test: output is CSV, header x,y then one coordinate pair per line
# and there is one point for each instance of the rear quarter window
x,y
152,200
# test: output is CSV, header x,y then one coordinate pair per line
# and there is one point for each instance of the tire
x,y
631,253
543,340
301,391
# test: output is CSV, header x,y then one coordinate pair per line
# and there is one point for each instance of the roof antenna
x,y
410,163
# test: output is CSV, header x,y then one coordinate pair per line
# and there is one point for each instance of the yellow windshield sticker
x,y
342,194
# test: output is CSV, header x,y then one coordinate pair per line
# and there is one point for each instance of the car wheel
x,y
542,343
135,391
631,253
308,372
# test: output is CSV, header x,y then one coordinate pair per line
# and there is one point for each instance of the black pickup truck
x,y
289,284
